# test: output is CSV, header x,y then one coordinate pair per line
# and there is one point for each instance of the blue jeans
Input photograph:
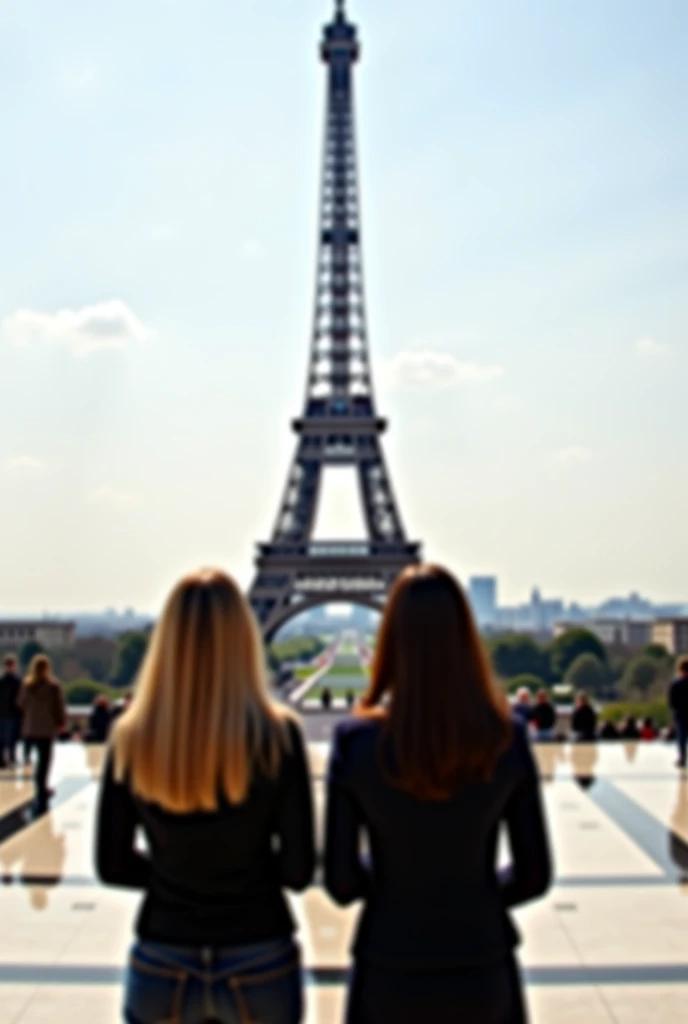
x,y
682,740
259,984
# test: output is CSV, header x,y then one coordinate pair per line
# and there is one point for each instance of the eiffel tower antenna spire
x,y
339,425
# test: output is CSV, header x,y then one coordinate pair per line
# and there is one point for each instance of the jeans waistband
x,y
211,960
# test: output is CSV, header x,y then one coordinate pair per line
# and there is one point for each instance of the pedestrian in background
x,y
544,718
678,701
10,685
584,720
44,717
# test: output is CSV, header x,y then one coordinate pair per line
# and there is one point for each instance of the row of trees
x,y
99,659
579,659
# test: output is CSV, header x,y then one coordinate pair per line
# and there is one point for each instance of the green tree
x,y
131,648
657,651
28,651
517,655
84,691
640,676
526,682
568,647
587,673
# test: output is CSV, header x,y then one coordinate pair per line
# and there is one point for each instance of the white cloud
x,y
105,325
575,453
651,347
108,495
25,464
423,369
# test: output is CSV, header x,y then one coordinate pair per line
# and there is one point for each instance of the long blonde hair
x,y
201,721
40,670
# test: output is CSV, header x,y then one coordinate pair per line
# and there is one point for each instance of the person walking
x,y
215,773
44,717
678,702
10,685
430,768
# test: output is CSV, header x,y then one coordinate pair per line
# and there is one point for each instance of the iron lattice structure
x,y
339,425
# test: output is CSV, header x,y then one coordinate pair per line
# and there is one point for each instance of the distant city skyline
x,y
523,192
613,605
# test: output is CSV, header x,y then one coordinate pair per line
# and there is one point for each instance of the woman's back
x,y
434,897
215,773
214,878
42,706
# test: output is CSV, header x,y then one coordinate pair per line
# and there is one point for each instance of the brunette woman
x,y
429,770
215,773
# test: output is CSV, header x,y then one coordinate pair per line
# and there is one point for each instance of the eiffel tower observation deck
x,y
339,425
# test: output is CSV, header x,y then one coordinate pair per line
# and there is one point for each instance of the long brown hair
x,y
202,720
432,682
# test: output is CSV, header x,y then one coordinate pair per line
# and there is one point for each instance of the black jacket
x,y
433,896
678,699
213,879
584,722
10,685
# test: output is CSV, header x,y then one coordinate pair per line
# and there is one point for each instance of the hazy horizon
x,y
525,221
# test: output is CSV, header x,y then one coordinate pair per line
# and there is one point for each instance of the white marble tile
x,y
586,841
647,1004
73,1004
626,926
13,1000
567,1004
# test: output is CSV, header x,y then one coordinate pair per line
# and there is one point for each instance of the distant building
x,y
482,593
672,634
633,633
49,633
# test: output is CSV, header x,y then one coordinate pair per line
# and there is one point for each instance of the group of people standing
x,y
215,773
32,709
541,718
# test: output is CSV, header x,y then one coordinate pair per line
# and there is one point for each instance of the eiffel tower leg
x,y
379,505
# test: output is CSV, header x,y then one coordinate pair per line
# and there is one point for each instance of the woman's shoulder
x,y
355,735
518,750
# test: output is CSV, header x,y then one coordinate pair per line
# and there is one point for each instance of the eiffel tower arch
x,y
339,425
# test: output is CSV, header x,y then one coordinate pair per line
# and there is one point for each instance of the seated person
x,y
609,731
99,721
629,730
648,730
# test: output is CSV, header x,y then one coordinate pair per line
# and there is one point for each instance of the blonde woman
x,y
44,717
216,775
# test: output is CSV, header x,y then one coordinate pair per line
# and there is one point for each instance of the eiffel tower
x,y
339,425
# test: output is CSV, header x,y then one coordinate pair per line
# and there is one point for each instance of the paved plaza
x,y
608,944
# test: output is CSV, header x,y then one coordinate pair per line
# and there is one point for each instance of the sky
x,y
524,177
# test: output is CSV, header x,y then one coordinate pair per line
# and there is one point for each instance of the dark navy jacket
x,y
433,896
678,699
